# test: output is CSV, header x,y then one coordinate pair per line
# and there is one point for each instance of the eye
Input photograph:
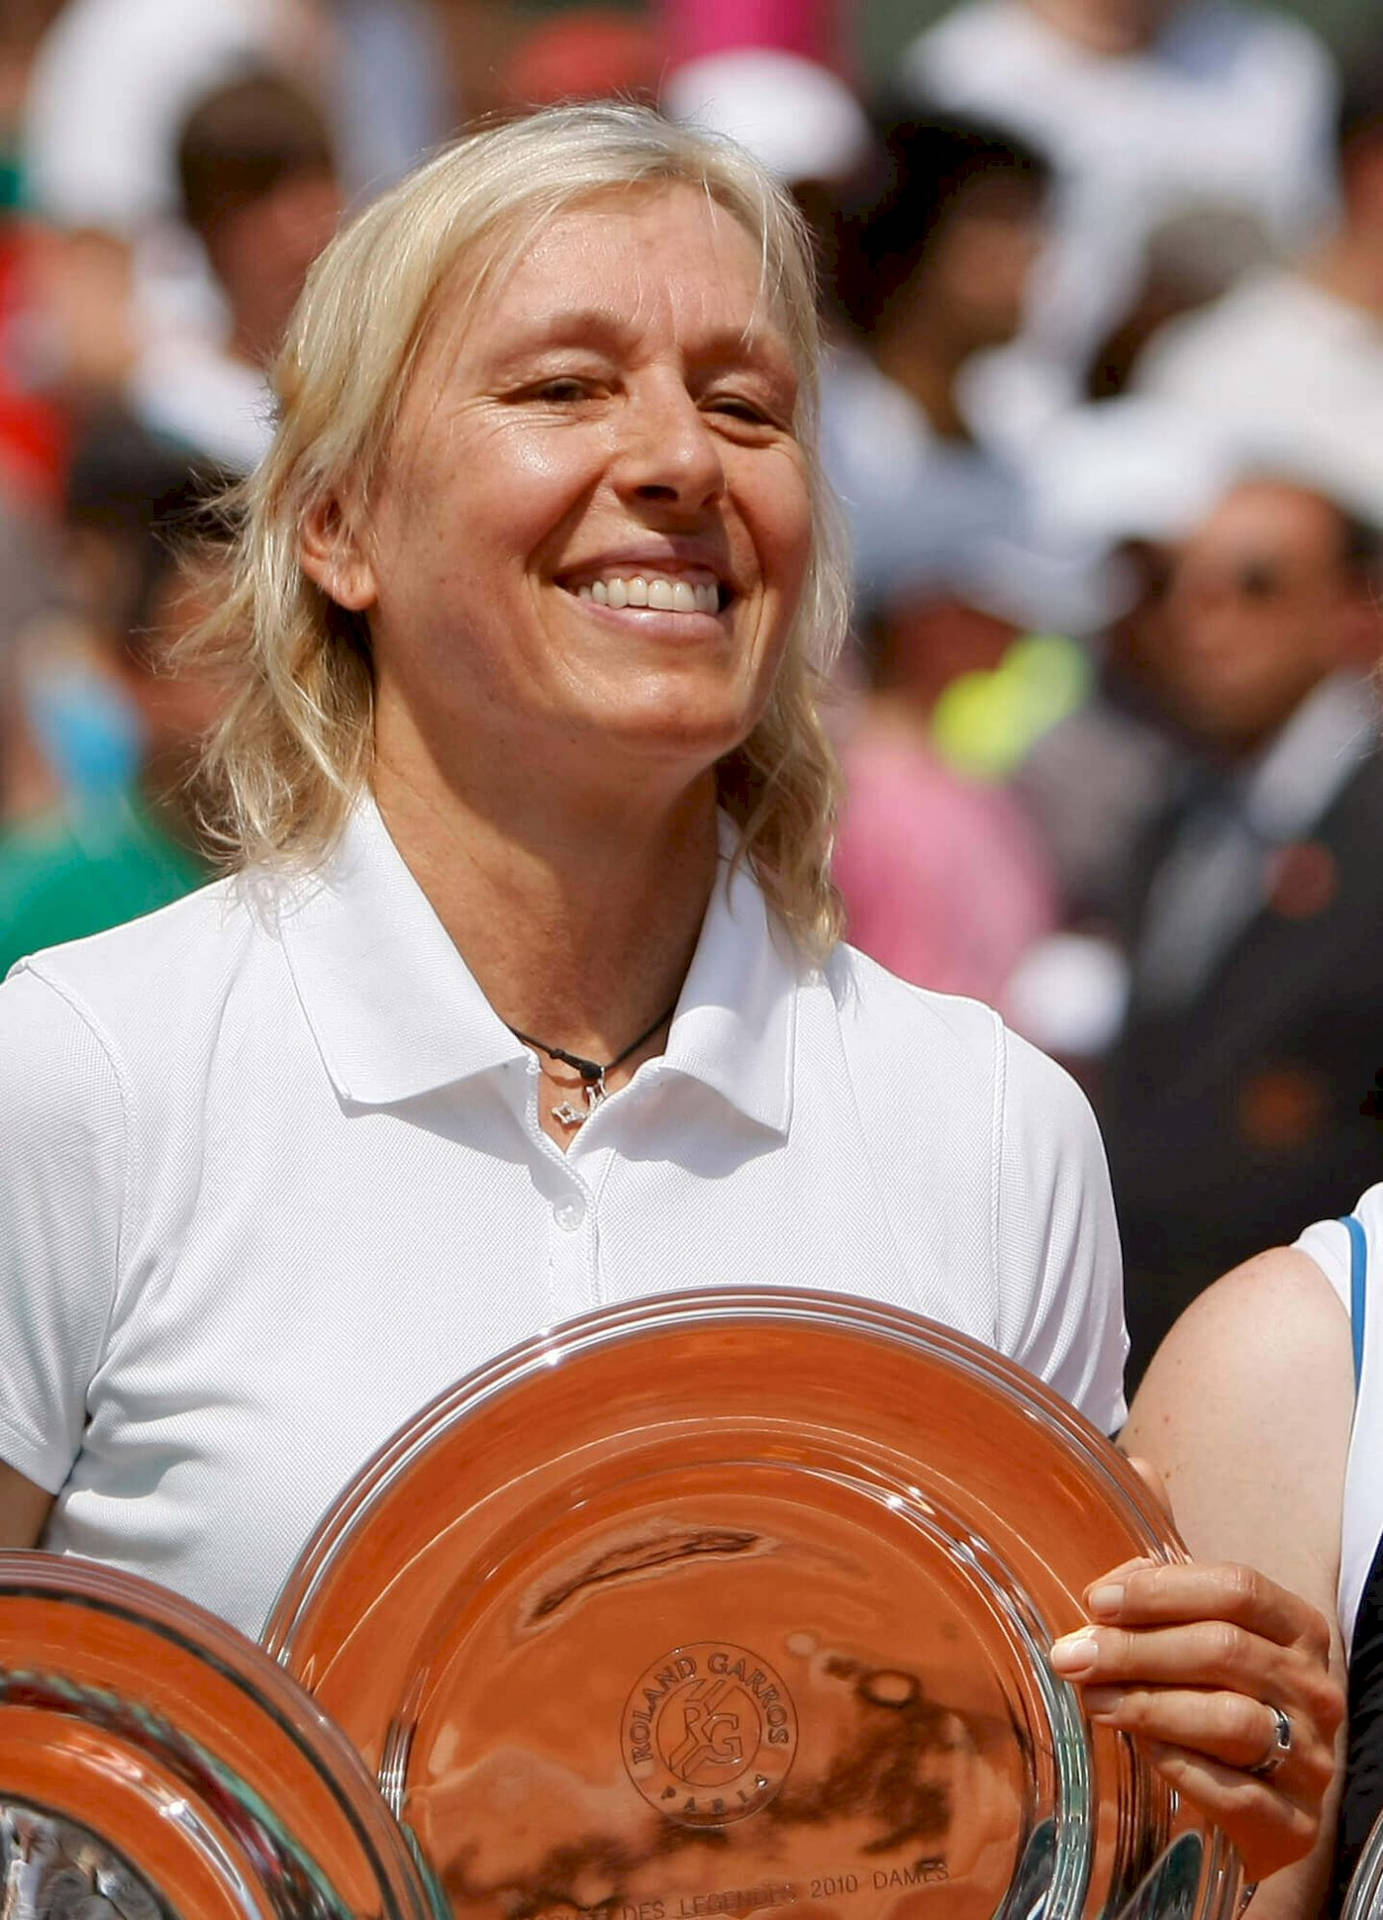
x,y
562,390
738,407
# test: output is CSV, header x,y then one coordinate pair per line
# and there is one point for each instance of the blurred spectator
x,y
115,80
33,426
117,728
1189,261
28,590
1094,782
113,83
944,882
583,53
1147,107
259,188
814,30
794,115
1132,480
1290,364
31,429
22,24
936,254
1232,1101
392,85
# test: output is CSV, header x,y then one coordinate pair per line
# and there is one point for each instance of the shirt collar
x,y
734,1026
392,1006
396,1012
1298,775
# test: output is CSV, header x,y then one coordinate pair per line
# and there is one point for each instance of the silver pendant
x,y
569,1116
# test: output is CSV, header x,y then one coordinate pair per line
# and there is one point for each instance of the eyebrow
x,y
583,326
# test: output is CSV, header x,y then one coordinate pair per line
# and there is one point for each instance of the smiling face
x,y
588,543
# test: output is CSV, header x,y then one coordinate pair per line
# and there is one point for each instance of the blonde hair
x,y
293,751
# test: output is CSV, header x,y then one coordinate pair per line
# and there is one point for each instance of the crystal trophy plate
x,y
733,1601
155,1765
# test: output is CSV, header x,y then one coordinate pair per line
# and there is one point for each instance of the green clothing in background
x,y
63,877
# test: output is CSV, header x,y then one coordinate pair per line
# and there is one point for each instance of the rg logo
x,y
708,1734
712,1743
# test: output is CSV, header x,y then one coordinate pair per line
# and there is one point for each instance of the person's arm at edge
x,y
24,1509
1245,1412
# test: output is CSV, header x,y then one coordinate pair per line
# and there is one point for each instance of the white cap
x,y
795,116
1130,469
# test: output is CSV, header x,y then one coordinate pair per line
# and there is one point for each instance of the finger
x,y
1228,1727
1208,1655
1169,1595
1268,1827
1203,1653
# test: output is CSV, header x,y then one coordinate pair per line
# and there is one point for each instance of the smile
x,y
660,593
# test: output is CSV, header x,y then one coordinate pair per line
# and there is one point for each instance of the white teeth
x,y
659,593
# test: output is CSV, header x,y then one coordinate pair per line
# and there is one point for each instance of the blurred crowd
x,y
1104,409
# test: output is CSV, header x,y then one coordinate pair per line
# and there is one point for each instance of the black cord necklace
x,y
591,1071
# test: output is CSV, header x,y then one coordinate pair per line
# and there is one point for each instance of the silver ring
x,y
1280,1748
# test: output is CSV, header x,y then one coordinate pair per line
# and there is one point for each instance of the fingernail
x,y
1107,1599
1075,1653
1100,1700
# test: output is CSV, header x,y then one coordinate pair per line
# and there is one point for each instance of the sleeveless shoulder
x,y
1360,1595
1328,1244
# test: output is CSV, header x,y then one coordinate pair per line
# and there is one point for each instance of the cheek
x,y
527,486
783,531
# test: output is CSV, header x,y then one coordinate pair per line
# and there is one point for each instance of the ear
x,y
334,557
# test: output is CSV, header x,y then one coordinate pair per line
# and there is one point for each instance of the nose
x,y
668,453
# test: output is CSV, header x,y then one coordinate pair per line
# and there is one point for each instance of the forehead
x,y
661,259
1274,521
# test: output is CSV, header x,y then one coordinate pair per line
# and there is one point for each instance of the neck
x,y
1350,266
578,922
1110,31
920,359
251,340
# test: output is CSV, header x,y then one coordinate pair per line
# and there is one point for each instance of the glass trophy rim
x,y
1151,1526
277,1707
1364,1895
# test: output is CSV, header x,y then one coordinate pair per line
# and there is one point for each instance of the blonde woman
x,y
527,992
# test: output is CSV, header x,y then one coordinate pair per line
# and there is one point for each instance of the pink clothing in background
x,y
944,881
813,28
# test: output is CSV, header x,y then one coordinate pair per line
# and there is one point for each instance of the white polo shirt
x,y
271,1177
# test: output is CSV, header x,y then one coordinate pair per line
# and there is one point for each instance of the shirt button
x,y
569,1213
